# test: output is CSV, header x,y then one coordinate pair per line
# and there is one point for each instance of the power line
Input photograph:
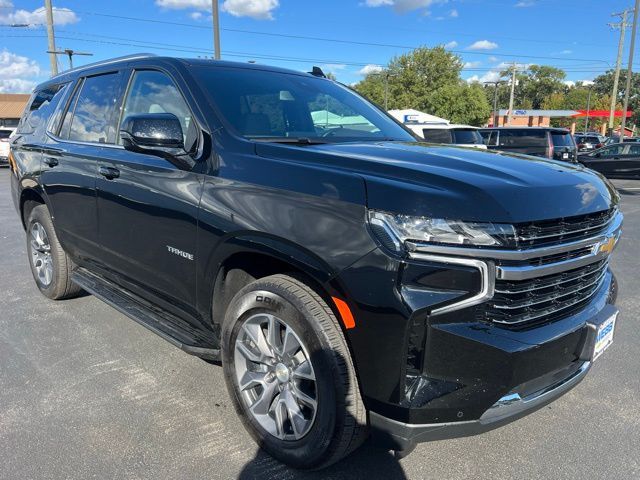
x,y
334,40
238,54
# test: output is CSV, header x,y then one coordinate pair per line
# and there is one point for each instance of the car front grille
x,y
545,298
562,230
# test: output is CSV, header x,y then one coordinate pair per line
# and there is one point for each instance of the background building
x,y
11,107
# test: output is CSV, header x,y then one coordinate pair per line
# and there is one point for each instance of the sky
x,y
345,37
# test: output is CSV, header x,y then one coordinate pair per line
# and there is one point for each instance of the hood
x,y
460,183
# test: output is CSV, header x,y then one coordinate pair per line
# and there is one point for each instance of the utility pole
x,y
216,29
494,120
629,68
69,53
614,94
513,92
51,38
386,91
586,122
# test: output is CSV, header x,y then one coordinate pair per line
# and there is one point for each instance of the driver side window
x,y
154,92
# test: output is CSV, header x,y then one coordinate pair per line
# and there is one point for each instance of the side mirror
x,y
157,134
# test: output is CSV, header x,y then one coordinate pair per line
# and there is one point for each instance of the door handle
x,y
52,162
109,172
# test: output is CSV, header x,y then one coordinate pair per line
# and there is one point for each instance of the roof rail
x,y
133,56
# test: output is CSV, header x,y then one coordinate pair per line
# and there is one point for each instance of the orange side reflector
x,y
345,313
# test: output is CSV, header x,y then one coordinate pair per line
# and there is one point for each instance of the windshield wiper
x,y
296,140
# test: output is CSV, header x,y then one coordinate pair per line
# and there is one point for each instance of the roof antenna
x,y
317,72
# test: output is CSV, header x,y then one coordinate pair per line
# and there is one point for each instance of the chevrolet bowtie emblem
x,y
607,245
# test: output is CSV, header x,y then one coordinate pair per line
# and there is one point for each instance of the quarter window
x,y
42,103
93,116
155,92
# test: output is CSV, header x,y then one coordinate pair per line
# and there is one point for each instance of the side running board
x,y
179,333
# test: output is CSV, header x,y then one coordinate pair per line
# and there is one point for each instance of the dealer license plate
x,y
604,337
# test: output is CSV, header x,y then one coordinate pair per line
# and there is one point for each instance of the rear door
x,y
85,134
147,207
627,165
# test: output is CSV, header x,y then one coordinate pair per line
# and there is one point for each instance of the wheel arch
x,y
29,198
244,258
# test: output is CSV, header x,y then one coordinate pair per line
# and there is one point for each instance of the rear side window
x,y
41,106
468,136
5,134
437,135
562,139
91,117
523,138
489,137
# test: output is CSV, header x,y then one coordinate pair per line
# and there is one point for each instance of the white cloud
x,y
196,15
525,3
453,13
17,73
403,6
16,85
369,69
493,59
451,44
569,83
566,52
257,9
490,76
182,4
17,66
483,45
6,4
472,64
61,16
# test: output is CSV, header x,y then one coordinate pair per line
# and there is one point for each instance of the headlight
x,y
405,228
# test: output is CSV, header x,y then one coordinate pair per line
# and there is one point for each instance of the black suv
x,y
556,143
352,280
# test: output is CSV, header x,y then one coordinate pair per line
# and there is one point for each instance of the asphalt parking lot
x,y
87,393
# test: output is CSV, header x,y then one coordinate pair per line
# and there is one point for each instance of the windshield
x,y
278,106
469,136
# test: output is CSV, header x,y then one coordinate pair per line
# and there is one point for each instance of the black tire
x,y
340,424
60,285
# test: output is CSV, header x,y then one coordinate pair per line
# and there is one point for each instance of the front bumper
x,y
522,400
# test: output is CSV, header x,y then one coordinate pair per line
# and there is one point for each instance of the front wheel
x,y
290,374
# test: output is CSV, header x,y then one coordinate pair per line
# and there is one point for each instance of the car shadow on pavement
x,y
369,461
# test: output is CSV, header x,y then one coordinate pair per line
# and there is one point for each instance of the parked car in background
x,y
548,142
616,139
450,134
621,160
5,136
587,142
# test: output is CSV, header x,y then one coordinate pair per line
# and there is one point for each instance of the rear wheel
x,y
290,374
50,265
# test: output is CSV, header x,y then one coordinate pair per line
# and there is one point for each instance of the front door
x,y
148,208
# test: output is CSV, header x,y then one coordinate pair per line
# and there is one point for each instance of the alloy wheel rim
x,y
275,377
41,254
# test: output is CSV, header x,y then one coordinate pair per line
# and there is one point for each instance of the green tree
x,y
428,79
603,85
